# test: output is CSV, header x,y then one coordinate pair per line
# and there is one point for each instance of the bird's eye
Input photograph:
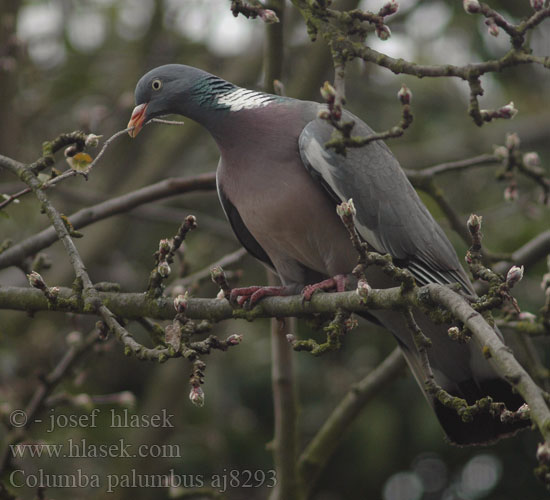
x,y
156,84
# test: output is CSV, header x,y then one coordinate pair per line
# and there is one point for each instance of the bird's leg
x,y
254,293
337,283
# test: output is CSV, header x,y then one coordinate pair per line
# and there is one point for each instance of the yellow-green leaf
x,y
79,161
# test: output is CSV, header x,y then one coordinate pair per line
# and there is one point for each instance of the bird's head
x,y
162,91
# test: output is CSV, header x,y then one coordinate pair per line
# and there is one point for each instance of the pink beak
x,y
137,120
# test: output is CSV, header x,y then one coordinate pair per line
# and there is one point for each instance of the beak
x,y
137,119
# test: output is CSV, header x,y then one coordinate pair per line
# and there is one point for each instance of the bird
x,y
279,188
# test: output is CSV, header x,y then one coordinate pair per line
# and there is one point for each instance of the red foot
x,y
338,283
254,293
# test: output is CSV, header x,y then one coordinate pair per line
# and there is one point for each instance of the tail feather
x,y
462,371
484,428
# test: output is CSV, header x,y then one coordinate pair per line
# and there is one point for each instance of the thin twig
x,y
86,216
89,295
326,440
85,172
420,175
166,122
47,385
204,273
13,197
71,172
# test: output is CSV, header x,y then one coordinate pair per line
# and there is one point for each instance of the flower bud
x,y
531,159
84,401
454,333
216,273
471,6
191,221
279,87
351,323
102,329
492,28
404,95
180,303
323,114
514,275
474,223
268,16
92,140
234,339
383,32
543,453
389,8
524,408
508,111
363,289
73,338
511,193
328,92
197,396
164,246
36,281
346,209
512,141
164,269
527,316
501,152
127,398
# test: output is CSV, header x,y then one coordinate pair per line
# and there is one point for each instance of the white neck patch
x,y
244,99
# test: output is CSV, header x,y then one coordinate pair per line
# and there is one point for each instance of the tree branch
x,y
87,294
86,216
138,305
497,353
418,177
285,439
47,385
226,260
336,27
528,254
326,440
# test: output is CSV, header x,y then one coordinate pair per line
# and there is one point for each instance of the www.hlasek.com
x,y
82,448
228,479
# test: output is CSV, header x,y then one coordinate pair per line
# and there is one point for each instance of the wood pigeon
x,y
279,187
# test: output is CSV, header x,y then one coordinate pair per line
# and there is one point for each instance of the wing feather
x,y
390,215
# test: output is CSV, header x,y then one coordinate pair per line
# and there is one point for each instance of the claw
x,y
239,295
252,294
337,283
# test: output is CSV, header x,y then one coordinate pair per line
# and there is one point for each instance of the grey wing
x,y
390,215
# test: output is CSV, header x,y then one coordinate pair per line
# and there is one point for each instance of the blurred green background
x,y
68,64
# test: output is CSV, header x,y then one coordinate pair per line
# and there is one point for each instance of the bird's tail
x,y
462,371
